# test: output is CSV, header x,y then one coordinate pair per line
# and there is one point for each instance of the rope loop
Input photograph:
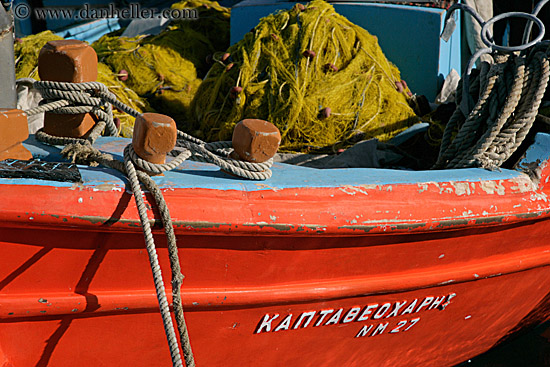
x,y
62,140
509,92
216,153
75,98
95,97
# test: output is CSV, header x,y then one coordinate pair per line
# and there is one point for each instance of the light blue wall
x,y
408,35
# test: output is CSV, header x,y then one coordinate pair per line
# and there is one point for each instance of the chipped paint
x,y
442,187
152,222
461,188
263,186
353,190
529,215
539,196
107,187
452,223
422,187
493,187
491,220
522,184
77,186
201,225
280,227
368,228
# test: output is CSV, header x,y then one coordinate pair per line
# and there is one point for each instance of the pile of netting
x,y
166,68
197,40
322,80
26,66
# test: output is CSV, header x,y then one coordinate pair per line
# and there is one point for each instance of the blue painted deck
x,y
201,175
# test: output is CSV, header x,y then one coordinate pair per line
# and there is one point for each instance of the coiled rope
x,y
76,98
510,90
94,97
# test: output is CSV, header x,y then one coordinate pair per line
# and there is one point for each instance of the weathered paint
x,y
284,176
304,241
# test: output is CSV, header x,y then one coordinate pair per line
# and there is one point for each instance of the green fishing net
x,y
26,66
166,68
322,80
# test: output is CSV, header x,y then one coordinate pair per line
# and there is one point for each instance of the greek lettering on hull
x,y
375,311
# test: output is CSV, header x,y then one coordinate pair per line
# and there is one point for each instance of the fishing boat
x,y
308,268
346,267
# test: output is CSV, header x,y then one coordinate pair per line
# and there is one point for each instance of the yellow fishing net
x,y
322,80
26,53
125,95
197,39
166,68
26,59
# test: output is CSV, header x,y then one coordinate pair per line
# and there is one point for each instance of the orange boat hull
x,y
406,274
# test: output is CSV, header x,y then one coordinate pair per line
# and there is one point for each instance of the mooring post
x,y
255,140
70,61
154,136
13,131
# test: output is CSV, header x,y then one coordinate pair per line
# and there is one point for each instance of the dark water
x,y
528,350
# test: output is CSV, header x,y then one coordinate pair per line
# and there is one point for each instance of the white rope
x,y
153,259
510,92
94,97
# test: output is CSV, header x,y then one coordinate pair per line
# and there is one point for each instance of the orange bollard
x,y
256,140
154,136
13,131
70,61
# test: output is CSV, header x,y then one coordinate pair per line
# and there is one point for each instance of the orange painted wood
x,y
407,274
